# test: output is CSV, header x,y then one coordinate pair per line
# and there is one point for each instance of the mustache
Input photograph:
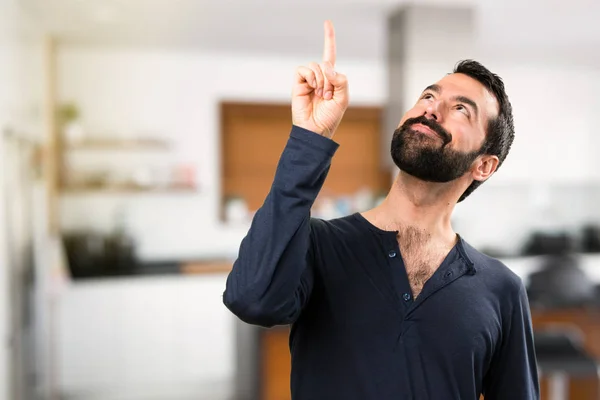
x,y
431,124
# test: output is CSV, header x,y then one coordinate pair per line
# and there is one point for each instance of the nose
x,y
433,111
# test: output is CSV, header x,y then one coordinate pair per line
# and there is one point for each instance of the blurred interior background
x,y
140,136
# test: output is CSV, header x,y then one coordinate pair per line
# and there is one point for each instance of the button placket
x,y
396,264
406,296
454,272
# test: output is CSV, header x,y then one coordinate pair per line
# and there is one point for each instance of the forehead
x,y
463,85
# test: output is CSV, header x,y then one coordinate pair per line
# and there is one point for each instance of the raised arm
x,y
272,278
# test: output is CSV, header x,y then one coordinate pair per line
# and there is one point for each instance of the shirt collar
x,y
466,252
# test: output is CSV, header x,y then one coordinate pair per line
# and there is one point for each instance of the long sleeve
x,y
513,373
272,277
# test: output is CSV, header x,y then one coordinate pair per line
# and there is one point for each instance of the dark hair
x,y
500,130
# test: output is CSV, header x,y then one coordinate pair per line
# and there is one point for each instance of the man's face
x,y
440,138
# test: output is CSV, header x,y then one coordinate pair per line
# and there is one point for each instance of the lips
x,y
424,129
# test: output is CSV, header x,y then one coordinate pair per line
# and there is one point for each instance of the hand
x,y
320,95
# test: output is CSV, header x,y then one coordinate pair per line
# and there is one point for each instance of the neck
x,y
412,203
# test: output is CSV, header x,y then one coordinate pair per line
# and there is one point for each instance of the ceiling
x,y
293,26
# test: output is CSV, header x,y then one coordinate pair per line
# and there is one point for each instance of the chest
x,y
364,298
420,263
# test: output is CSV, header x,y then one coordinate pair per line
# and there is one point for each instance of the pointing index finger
x,y
329,50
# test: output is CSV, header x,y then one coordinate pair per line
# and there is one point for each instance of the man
x,y
390,303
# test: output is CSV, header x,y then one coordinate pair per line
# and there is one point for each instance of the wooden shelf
x,y
126,190
116,144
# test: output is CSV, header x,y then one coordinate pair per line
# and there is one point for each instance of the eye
x,y
463,109
427,96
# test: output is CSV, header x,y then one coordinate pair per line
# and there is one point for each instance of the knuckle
x,y
301,71
307,72
318,73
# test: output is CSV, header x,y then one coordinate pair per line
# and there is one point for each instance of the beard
x,y
424,157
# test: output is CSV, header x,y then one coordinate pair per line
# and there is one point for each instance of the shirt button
x,y
392,254
406,297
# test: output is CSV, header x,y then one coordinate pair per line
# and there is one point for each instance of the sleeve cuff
x,y
314,140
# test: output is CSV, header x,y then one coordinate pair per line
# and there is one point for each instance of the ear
x,y
484,167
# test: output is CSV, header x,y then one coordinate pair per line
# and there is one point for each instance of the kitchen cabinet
x,y
145,334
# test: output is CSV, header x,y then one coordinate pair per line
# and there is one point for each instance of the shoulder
x,y
494,274
341,227
347,230
499,286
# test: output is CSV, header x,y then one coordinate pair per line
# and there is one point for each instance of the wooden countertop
x,y
205,267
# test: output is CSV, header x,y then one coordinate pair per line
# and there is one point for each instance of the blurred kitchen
x,y
140,136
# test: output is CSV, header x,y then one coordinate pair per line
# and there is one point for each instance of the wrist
x,y
314,140
314,129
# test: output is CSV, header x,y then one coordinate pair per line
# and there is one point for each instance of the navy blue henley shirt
x,y
357,333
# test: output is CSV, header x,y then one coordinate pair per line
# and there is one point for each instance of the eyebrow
x,y
433,88
461,99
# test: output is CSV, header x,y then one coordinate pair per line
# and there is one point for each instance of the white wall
x,y
21,89
177,94
8,73
4,285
